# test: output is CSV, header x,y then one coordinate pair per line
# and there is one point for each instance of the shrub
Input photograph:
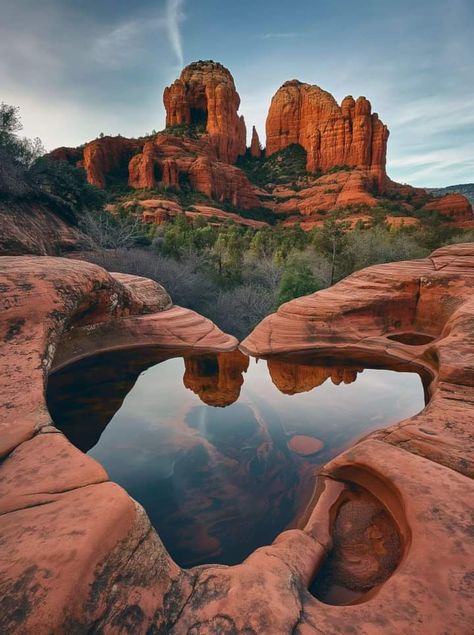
x,y
297,280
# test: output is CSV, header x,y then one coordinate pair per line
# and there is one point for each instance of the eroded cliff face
x,y
205,96
108,157
205,136
332,135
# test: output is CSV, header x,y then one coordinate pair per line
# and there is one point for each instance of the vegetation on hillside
x,y
233,274
237,275
26,174
284,166
466,189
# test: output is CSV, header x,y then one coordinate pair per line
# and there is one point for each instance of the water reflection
x,y
221,465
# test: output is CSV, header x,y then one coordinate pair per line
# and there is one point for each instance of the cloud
x,y
436,168
174,17
271,36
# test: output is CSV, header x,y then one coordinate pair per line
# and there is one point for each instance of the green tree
x,y
297,280
23,150
331,241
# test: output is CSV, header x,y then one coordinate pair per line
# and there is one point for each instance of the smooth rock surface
x,y
393,513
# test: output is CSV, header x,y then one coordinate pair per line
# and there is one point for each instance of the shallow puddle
x,y
222,450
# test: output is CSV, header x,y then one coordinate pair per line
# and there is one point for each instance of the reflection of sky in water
x,y
219,482
157,405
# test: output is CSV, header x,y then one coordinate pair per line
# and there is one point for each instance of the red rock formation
x,y
255,147
205,95
221,216
108,156
454,206
71,155
332,135
388,515
31,227
223,182
171,161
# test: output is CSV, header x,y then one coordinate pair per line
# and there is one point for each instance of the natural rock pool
x,y
222,450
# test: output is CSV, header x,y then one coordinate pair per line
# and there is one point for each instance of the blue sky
x,y
80,67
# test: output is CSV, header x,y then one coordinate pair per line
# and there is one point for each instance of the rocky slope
x,y
203,146
33,228
466,189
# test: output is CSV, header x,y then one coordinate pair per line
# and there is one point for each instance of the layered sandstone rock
x,y
176,162
388,530
255,147
29,227
107,157
205,96
453,206
332,135
223,182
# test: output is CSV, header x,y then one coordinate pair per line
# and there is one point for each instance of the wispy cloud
x,y
282,35
174,17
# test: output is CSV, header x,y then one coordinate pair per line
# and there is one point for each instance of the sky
x,y
80,67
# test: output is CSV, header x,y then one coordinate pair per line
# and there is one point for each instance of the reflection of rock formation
x,y
216,378
292,378
216,484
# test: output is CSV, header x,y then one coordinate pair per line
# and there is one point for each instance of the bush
x,y
107,231
282,166
297,280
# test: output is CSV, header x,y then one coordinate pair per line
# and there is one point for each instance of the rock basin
x,y
78,555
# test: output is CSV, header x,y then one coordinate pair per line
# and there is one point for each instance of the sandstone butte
x,y
392,514
205,95
205,136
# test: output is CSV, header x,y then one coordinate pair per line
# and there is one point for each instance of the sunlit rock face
x,y
205,95
255,147
332,135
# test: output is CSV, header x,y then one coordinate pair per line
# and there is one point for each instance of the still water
x,y
222,450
